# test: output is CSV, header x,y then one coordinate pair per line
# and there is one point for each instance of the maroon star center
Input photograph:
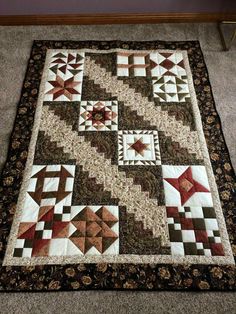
x,y
186,185
139,146
99,115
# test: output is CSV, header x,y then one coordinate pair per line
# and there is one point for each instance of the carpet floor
x,y
14,51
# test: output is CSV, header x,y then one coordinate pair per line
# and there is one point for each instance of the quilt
x,y
118,175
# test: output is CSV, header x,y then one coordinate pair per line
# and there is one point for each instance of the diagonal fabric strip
x,y
178,132
130,195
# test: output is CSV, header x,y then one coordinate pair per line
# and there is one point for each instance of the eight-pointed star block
x,y
98,116
138,147
186,186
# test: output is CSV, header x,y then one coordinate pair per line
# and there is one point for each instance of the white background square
x,y
177,248
188,236
51,184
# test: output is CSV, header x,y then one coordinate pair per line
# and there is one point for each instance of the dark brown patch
x,y
88,192
149,178
48,153
105,142
173,154
92,91
67,111
134,239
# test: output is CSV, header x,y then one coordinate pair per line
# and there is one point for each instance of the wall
x,y
27,7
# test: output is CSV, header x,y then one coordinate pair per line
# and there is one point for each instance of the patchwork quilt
x,y
118,176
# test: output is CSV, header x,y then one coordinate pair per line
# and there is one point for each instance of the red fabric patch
x,y
201,236
60,229
41,247
172,212
217,249
167,64
186,224
26,230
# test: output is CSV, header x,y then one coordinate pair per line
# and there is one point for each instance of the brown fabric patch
x,y
134,239
209,212
173,154
140,84
92,91
88,192
67,111
181,111
149,178
190,248
107,60
105,142
48,153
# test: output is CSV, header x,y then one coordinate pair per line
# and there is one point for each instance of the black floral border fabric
x,y
115,276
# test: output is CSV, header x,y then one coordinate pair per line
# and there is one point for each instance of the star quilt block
x,y
138,148
98,116
185,185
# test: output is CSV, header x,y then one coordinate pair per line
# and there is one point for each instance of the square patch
x,y
186,186
133,64
98,116
138,147
167,63
196,234
169,88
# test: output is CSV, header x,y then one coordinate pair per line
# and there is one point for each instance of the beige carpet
x,y
15,45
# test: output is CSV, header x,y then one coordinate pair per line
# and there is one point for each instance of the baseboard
x,y
114,18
